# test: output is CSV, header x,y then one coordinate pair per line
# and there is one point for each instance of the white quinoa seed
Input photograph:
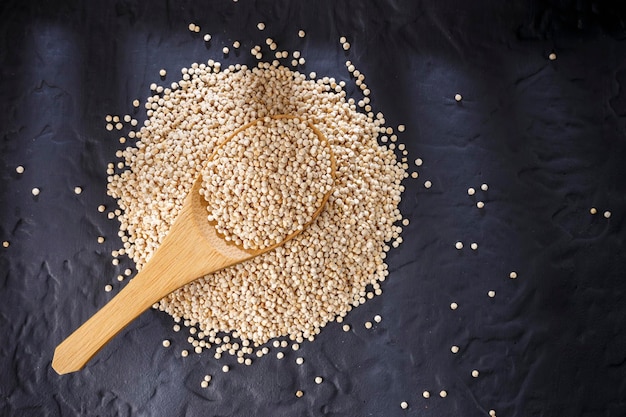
x,y
471,191
552,56
204,384
426,394
458,245
299,361
475,373
491,294
368,324
428,184
207,37
100,239
454,349
166,343
319,380
484,187
78,190
378,318
108,288
513,275
225,368
346,327
6,244
480,204
301,33
593,210
35,191
492,413
304,264
404,405
474,246
19,169
607,214
299,393
458,97
443,394
162,73
280,355
260,26
454,306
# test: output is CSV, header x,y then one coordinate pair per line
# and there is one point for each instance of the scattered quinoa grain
x,y
368,324
299,394
458,245
552,56
426,394
443,394
108,288
319,380
491,294
100,239
301,33
428,184
78,190
471,191
480,204
35,191
454,306
593,210
454,349
513,275
299,361
401,128
474,246
6,244
607,214
346,327
484,187
419,162
225,368
19,169
492,413
404,405
475,373
458,97
184,353
207,37
204,384
162,73
378,318
166,343
280,355
414,174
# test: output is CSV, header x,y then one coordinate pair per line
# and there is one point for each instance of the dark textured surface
x,y
547,136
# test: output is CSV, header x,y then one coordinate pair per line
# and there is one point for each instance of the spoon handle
x,y
181,258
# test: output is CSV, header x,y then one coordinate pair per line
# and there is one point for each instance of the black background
x,y
547,136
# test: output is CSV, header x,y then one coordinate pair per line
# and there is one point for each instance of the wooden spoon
x,y
191,249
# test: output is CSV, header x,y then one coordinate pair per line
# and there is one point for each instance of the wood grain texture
x,y
191,249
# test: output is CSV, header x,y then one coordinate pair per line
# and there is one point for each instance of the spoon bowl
x,y
192,248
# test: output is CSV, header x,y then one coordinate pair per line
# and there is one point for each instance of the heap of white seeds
x,y
335,264
267,182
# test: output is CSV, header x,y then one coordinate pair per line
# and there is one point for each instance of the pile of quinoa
x,y
334,265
